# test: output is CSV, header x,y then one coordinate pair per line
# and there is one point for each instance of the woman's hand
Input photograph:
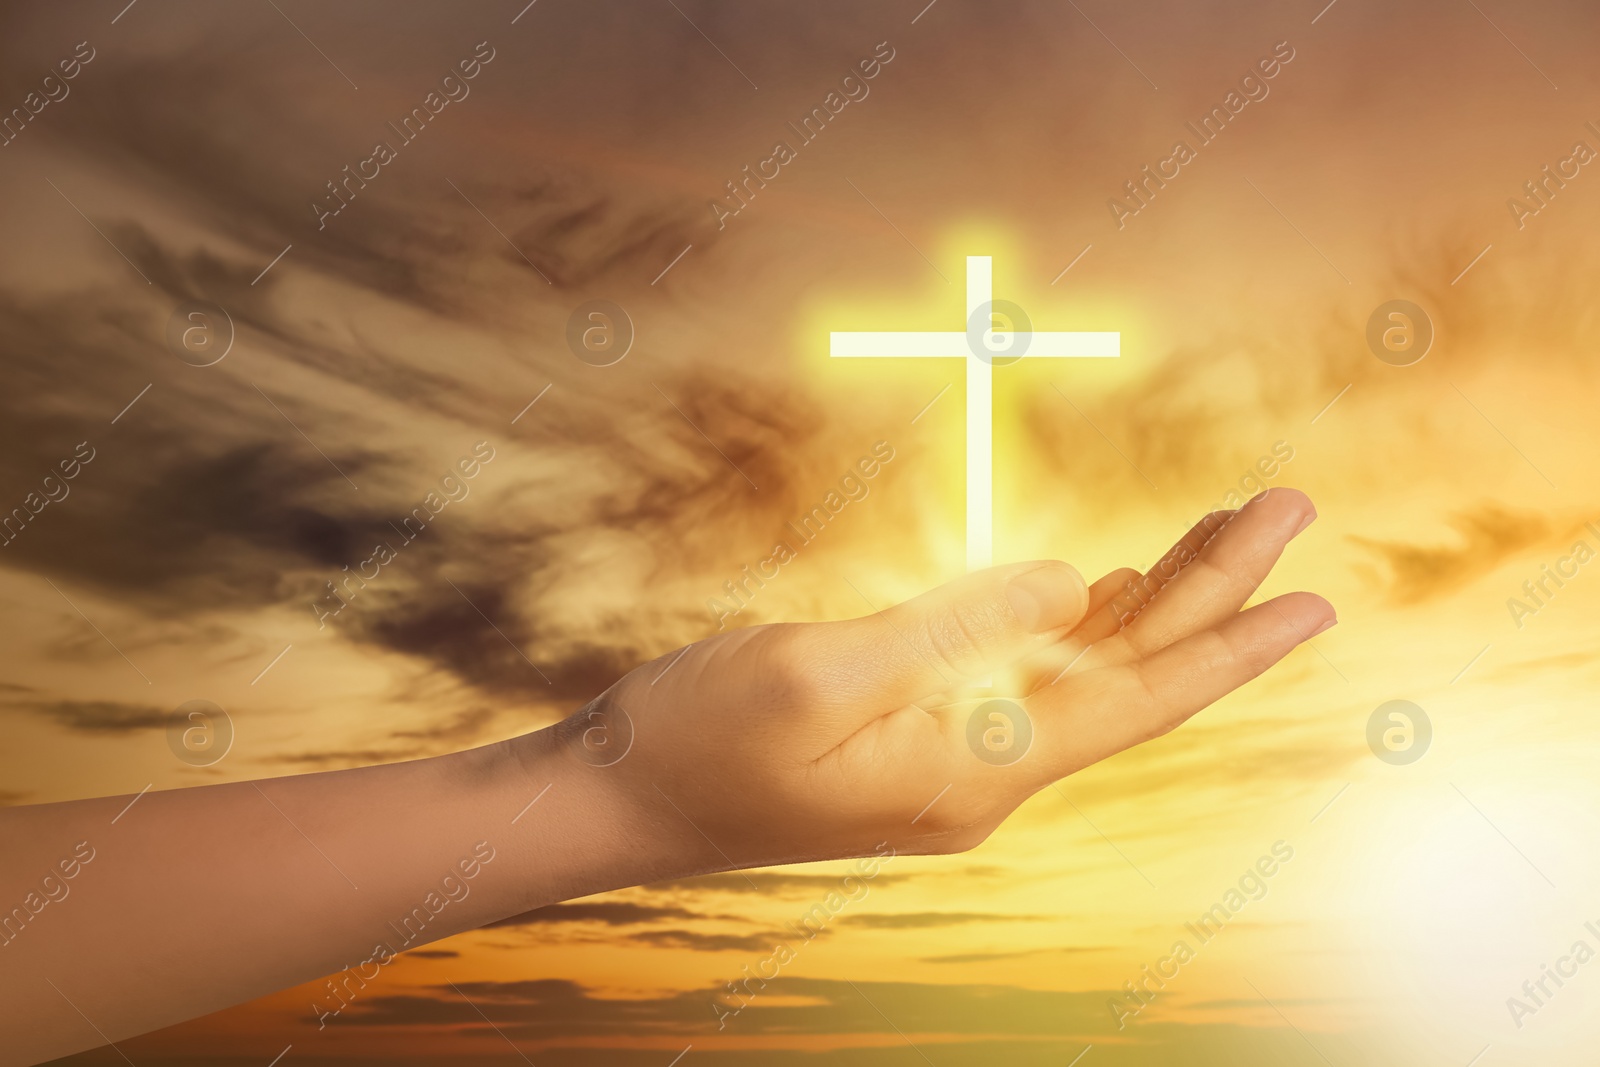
x,y
783,743
770,745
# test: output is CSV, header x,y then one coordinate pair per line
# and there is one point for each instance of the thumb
x,y
951,635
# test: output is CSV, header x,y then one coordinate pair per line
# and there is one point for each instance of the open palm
x,y
792,742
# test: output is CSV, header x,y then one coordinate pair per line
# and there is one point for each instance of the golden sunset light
x,y
386,382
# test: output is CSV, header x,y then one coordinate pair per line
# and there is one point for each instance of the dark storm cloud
x,y
209,532
406,235
204,500
219,504
258,518
483,635
407,232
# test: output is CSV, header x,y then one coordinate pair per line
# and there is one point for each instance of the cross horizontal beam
x,y
952,345
982,354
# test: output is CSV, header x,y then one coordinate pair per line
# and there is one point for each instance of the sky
x,y
588,158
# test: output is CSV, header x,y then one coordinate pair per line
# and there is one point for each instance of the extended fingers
x,y
1087,717
1138,590
1045,665
1206,577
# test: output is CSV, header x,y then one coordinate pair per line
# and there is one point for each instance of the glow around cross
x,y
982,346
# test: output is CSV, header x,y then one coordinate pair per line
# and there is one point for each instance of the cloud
x,y
549,1010
699,942
765,881
608,912
481,633
433,953
1270,753
409,327
590,507
990,957
259,519
1235,1004
926,920
466,723
1572,664
255,518
981,957
449,731
101,716
527,991
1488,536
333,758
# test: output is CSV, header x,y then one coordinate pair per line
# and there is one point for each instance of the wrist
x,y
573,828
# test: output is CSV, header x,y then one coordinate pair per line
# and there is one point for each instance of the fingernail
x,y
1325,627
1311,517
1048,596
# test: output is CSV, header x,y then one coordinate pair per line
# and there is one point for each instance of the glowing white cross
x,y
980,382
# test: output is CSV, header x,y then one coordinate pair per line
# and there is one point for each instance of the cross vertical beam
x,y
979,354
980,426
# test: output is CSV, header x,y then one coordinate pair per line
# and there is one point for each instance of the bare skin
x,y
770,745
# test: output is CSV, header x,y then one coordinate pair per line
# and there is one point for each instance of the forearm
x,y
195,899
764,746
